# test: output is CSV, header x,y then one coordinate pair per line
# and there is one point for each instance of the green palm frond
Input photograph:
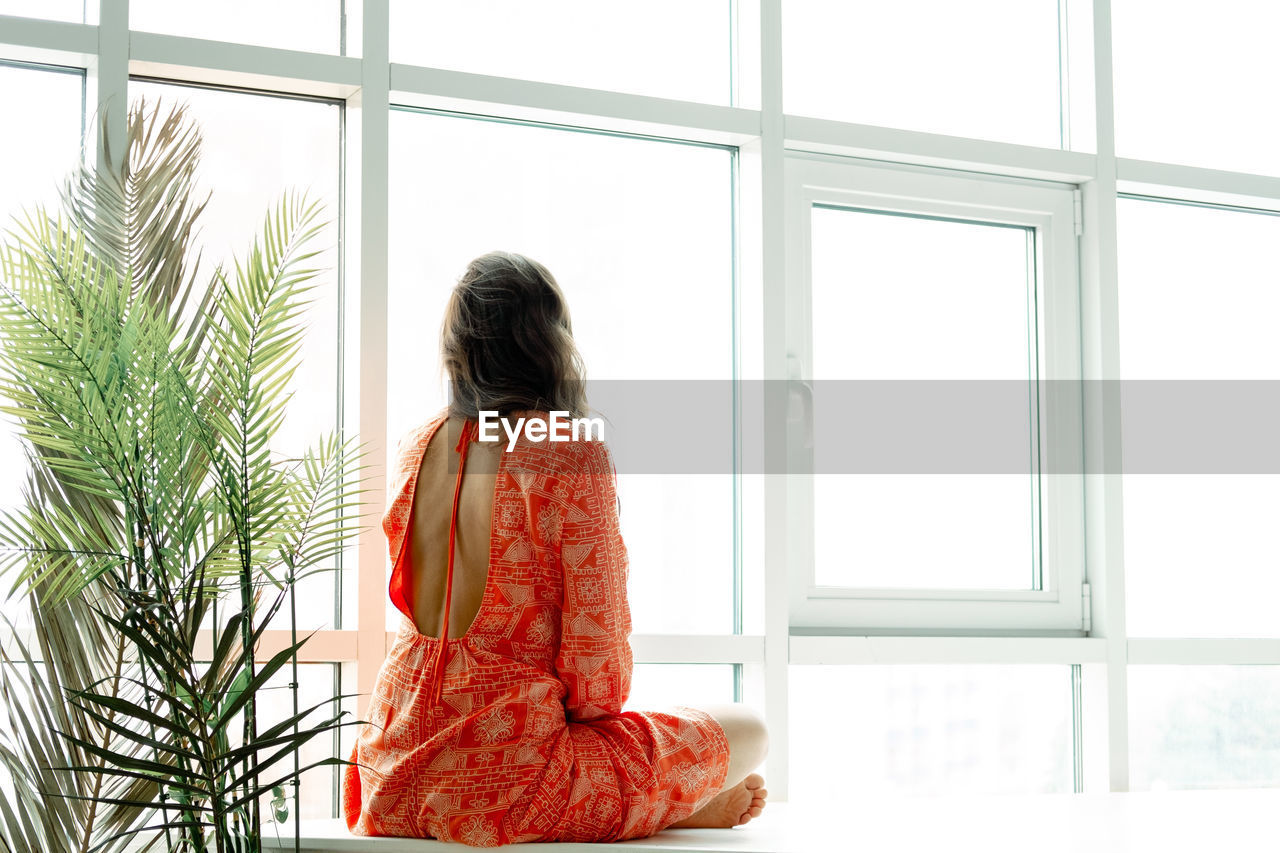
x,y
149,403
74,649
143,219
254,345
62,386
325,507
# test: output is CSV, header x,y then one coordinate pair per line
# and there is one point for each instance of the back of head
x,y
507,342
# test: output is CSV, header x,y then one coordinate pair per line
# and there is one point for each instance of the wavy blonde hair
x,y
506,343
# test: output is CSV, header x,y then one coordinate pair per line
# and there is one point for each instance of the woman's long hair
x,y
506,342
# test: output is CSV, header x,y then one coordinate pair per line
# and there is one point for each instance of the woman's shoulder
x,y
413,437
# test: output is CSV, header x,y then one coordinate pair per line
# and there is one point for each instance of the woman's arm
x,y
594,659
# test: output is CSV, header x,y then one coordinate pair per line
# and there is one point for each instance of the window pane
x,y
575,42
32,165
1188,86
1204,726
986,69
902,298
655,685
1197,302
52,10
294,144
929,729
316,683
311,25
630,229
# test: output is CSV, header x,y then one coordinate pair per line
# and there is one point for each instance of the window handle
x,y
799,400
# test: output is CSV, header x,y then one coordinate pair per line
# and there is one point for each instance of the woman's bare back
x,y
426,548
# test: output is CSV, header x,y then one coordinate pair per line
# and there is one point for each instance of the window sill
x,y
1171,822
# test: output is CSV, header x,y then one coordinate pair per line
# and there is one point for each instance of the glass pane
x,y
1204,727
883,309
1188,85
311,25
656,685
929,729
1197,302
52,10
575,42
32,165
985,69
628,228
294,144
316,683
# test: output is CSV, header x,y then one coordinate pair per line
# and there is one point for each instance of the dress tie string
x,y
437,681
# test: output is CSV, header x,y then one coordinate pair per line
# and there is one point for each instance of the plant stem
x,y
139,552
297,781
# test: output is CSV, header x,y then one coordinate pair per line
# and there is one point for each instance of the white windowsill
x,y
1167,822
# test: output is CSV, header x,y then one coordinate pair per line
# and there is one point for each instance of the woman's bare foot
x,y
731,807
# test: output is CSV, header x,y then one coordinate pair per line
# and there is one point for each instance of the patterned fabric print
x,y
529,741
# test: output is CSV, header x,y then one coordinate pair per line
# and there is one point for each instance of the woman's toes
x,y
754,781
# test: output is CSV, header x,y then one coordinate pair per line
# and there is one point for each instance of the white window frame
x,y
767,138
1049,209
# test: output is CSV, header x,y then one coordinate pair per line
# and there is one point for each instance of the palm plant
x,y
148,401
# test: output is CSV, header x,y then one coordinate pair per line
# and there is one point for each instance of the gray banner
x,y
937,426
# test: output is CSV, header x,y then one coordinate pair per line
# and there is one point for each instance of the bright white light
x,y
656,685
32,165
1204,727
902,298
310,25
637,234
667,48
986,69
1197,86
928,730
1198,300
53,10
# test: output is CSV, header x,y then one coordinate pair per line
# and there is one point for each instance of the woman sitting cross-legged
x,y
498,714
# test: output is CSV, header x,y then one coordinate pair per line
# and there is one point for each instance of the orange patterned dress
x,y
515,732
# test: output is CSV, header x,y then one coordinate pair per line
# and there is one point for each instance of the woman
x,y
497,716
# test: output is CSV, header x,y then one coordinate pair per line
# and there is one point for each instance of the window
x,y
986,69
1187,84
654,685
1205,726
296,143
317,682
54,10
1197,300
309,25
649,282
910,217
575,42
936,319
246,179
32,164
929,730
